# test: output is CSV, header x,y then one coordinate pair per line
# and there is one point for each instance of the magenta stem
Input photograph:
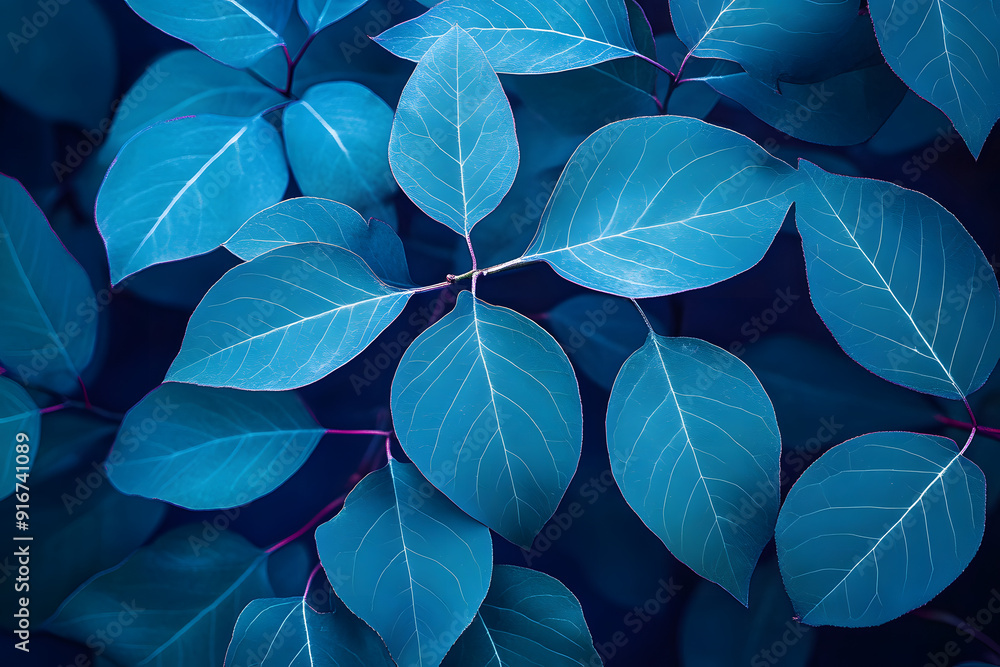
x,y
951,619
312,575
339,431
309,526
53,408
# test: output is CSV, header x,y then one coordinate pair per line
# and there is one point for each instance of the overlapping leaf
x,y
20,426
320,13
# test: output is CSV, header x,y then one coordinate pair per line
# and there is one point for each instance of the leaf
x,y
453,149
522,36
285,319
49,321
337,140
178,599
899,282
318,14
181,188
74,437
945,53
20,427
527,618
653,206
207,448
486,405
307,219
878,526
289,633
694,448
236,33
408,562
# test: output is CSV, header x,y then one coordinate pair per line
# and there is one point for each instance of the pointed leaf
x,y
318,14
20,428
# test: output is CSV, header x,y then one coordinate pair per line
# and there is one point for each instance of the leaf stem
x,y
512,264
951,619
655,64
644,318
305,594
357,432
336,503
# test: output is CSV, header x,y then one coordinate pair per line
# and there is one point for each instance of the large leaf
x,y
523,36
527,618
694,448
211,448
878,526
653,206
318,14
236,33
337,140
48,309
408,562
20,427
899,282
485,403
453,148
181,188
305,219
177,600
946,53
285,319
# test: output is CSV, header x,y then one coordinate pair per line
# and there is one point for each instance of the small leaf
x,y
20,428
878,526
453,148
181,188
408,562
485,403
285,319
318,14
694,448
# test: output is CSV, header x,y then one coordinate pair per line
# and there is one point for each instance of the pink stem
x,y
950,619
339,431
309,526
305,595
53,408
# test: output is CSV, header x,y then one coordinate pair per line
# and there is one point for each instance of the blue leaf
x,y
74,437
285,319
453,148
408,562
485,403
694,448
49,325
318,14
179,598
337,139
523,36
307,638
878,526
527,617
20,428
942,51
211,448
899,282
653,206
181,188
236,33
306,219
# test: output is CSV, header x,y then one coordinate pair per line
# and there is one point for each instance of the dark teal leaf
x,y
337,139
878,526
408,562
899,282
694,448
49,323
523,36
20,428
285,319
914,124
485,403
527,618
236,33
73,437
181,188
306,219
181,596
210,448
453,148
653,206
945,52
320,13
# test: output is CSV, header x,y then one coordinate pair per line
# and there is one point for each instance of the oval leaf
x,y
20,426
318,14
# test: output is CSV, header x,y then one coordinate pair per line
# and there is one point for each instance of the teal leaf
x,y
318,14
236,33
48,307
527,618
307,219
20,428
337,139
307,638
453,148
408,562
181,596
285,320
211,448
878,526
694,448
485,403
652,206
946,53
523,36
899,282
181,188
